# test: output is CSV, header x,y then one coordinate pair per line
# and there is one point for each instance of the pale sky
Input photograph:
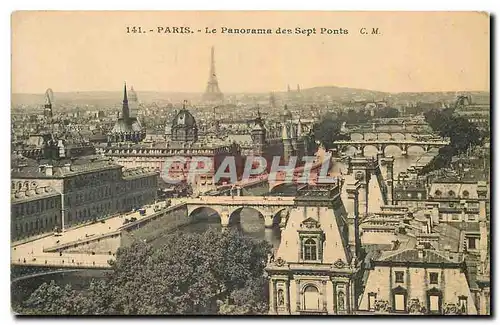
x,y
91,51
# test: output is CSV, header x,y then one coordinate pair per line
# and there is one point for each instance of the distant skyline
x,y
91,51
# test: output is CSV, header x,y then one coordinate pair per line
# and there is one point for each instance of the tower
x,y
212,92
133,103
259,135
272,100
125,109
47,109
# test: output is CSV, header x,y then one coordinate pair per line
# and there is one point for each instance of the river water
x,y
251,223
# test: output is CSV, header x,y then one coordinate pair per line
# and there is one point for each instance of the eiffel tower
x,y
212,92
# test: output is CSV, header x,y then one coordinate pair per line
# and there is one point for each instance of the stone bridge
x,y
228,207
381,145
262,181
392,123
388,135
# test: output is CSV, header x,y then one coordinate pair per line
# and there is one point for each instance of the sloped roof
x,y
412,256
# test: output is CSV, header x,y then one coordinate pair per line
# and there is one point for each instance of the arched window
x,y
311,298
310,250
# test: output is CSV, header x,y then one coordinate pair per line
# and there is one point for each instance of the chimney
x,y
447,249
420,250
48,170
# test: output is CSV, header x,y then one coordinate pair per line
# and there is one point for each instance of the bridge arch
x,y
370,147
422,148
195,213
384,135
347,147
357,136
371,135
235,218
392,146
398,136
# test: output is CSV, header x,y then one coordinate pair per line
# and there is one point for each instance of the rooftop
x,y
424,256
29,194
64,168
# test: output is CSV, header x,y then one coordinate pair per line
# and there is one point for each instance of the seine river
x,y
251,225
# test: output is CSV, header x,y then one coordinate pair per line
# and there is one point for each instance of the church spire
x,y
125,109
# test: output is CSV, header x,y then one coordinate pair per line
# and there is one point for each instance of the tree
x,y
187,275
328,130
97,299
462,133
51,299
247,300
387,112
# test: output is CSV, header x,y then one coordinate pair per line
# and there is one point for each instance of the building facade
x,y
127,126
315,270
417,281
172,159
34,209
87,190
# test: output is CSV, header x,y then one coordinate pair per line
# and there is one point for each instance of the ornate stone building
x,y
127,126
177,152
88,189
417,281
316,268
284,139
34,209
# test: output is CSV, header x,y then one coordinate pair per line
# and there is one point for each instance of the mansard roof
x,y
412,256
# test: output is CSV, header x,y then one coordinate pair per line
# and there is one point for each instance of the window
x,y
451,194
462,304
437,193
372,296
471,217
399,277
454,216
310,250
399,302
434,277
471,241
451,204
465,193
434,304
311,298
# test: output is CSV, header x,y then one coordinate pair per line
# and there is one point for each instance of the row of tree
x,y
328,129
462,133
209,273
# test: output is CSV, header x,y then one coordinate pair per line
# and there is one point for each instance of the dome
x,y
184,119
132,96
287,115
121,127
